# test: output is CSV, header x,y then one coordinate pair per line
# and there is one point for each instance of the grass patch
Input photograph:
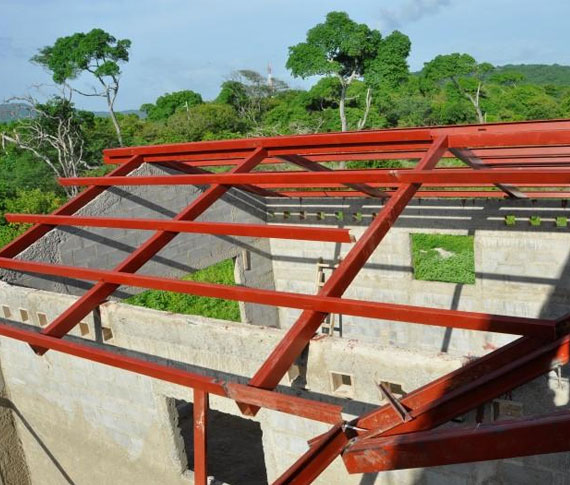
x,y
561,221
534,221
222,273
510,220
443,257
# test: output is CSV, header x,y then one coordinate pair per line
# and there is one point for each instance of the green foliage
x,y
389,67
443,257
534,221
561,221
202,122
221,273
344,52
541,74
510,220
33,201
338,46
455,67
96,52
22,171
167,104
233,93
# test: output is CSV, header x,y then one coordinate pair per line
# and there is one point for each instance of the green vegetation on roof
x,y
443,257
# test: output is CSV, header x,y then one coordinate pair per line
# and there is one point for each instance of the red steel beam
x,y
200,411
468,157
336,140
181,167
318,457
508,439
36,232
419,134
538,138
423,194
473,177
378,310
233,229
453,394
297,406
521,156
315,167
478,382
284,354
100,291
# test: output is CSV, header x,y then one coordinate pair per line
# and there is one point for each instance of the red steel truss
x,y
514,160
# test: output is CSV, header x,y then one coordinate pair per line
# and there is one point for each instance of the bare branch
x,y
52,136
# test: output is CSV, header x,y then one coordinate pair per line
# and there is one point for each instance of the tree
x,y
349,51
96,52
204,121
466,75
250,94
167,104
53,134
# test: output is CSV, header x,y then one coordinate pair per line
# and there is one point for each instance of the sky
x,y
191,44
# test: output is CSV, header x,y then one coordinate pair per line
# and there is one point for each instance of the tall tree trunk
x,y
110,103
362,121
341,108
342,113
476,104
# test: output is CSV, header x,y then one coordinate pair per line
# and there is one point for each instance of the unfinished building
x,y
348,366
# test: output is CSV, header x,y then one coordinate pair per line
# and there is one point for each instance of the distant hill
x,y
105,114
541,73
16,111
13,111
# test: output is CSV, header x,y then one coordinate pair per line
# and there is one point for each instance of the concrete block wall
x,y
91,424
520,270
102,248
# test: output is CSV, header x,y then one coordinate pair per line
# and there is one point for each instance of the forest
x,y
361,81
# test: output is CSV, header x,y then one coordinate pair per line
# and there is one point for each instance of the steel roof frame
x,y
530,154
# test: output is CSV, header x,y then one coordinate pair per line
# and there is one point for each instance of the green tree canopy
x,y
464,72
167,104
347,50
96,52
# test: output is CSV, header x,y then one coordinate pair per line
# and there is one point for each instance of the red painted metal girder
x,y
233,229
490,156
274,144
473,177
181,167
100,291
297,406
474,384
508,439
514,139
386,311
315,167
318,457
425,194
200,413
372,136
34,233
284,354
469,158
459,391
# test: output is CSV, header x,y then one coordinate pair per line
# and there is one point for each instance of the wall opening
x,y
342,384
221,273
396,389
443,257
235,447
